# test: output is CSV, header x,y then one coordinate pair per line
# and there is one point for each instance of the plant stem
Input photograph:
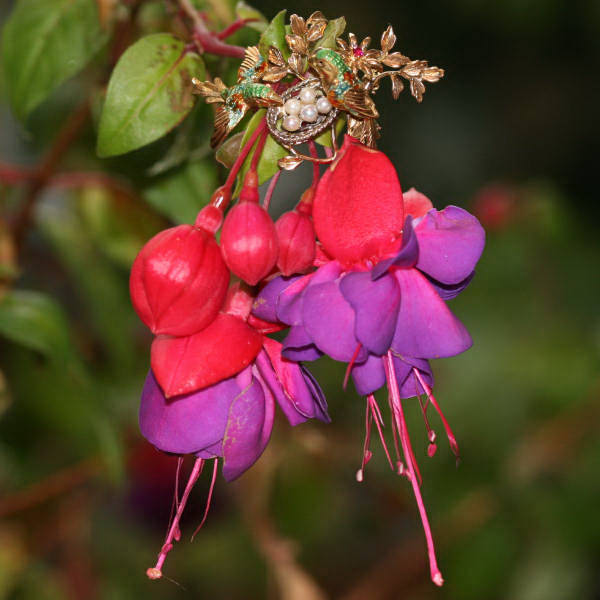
x,y
66,136
239,161
206,40
235,26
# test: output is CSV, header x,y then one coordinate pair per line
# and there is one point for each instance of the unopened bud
x,y
178,281
297,245
249,242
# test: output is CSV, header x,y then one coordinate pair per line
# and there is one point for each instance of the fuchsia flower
x,y
379,303
231,417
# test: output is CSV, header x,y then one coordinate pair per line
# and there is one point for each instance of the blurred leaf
x,y
111,449
149,93
267,164
229,150
245,11
35,321
274,35
181,194
102,290
117,223
44,43
334,29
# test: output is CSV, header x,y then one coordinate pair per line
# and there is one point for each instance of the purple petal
x,y
212,451
407,381
426,327
447,292
369,376
265,305
407,256
185,424
289,306
248,429
298,345
450,244
329,321
321,409
298,400
376,305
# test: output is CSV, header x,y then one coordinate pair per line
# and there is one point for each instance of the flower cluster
x,y
358,271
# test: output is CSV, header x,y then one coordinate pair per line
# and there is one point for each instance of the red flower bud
x,y
178,281
249,242
297,246
357,209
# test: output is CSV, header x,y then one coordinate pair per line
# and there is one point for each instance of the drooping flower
x,y
227,405
231,419
379,305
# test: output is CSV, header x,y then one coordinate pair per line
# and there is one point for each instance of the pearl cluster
x,y
305,108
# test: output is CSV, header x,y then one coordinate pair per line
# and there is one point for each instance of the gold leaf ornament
x,y
388,39
289,163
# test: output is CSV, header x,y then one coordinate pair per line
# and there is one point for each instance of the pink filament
x,y
156,571
350,366
398,413
449,433
208,500
372,403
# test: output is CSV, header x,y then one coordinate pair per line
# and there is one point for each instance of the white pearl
x,y
309,113
292,106
291,123
323,105
307,95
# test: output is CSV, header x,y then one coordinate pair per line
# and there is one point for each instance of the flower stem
x,y
231,29
270,190
156,571
239,161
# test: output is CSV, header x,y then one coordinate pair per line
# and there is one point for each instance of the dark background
x,y
511,133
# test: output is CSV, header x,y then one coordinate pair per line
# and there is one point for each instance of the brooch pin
x,y
314,89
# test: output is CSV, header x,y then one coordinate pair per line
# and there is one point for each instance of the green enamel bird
x,y
341,86
235,101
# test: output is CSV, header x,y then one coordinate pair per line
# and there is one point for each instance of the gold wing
x,y
252,58
358,102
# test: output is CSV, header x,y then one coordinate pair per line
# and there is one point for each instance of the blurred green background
x,y
510,133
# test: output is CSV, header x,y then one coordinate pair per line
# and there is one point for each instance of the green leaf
x,y
149,93
36,321
182,193
267,164
274,35
325,138
44,43
334,29
245,11
229,150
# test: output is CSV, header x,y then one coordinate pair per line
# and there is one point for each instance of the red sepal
x,y
185,364
357,209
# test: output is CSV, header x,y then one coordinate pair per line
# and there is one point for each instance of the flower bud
x,y
178,281
297,245
249,242
357,209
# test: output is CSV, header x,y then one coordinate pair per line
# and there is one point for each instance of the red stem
x,y
258,152
235,26
239,161
270,190
11,174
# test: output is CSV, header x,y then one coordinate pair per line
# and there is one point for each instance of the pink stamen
x,y
431,435
398,412
350,366
379,423
208,500
367,454
449,433
156,571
